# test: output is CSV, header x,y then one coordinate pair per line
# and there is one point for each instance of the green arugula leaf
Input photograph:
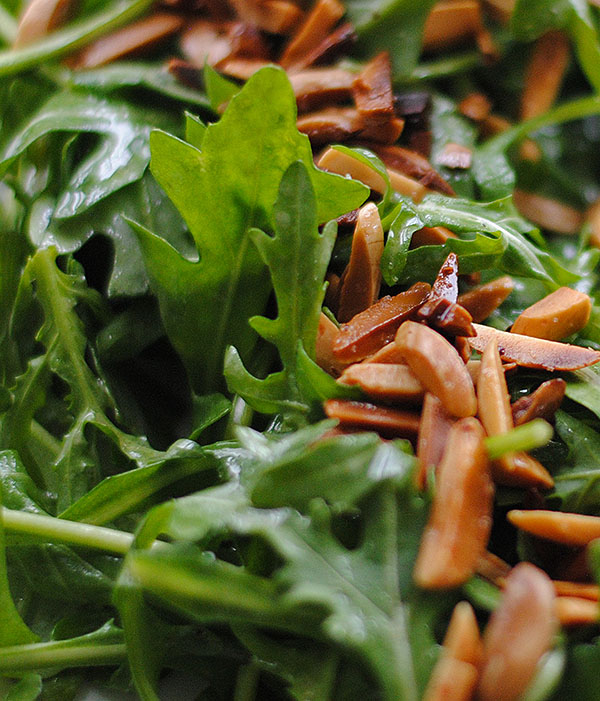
x,y
238,171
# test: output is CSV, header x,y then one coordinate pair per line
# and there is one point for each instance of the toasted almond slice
x,y
127,40
575,611
327,333
562,527
390,353
431,236
494,124
438,366
385,381
592,219
541,403
522,471
321,19
274,16
481,301
501,10
464,493
242,68
462,640
492,567
548,213
391,423
335,161
544,74
530,352
41,17
330,124
556,316
362,278
455,156
372,90
412,164
407,186
578,590
368,331
475,106
434,428
332,46
519,632
315,87
204,41
451,679
383,133
451,22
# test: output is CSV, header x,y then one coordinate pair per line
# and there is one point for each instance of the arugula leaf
x,y
238,171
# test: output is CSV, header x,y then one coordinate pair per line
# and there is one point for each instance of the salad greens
x,y
173,499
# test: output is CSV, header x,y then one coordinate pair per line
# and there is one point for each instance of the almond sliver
x,y
562,527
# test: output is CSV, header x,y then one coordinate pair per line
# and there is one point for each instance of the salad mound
x,y
299,344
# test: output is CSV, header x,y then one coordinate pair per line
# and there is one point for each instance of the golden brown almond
x,y
522,471
316,87
391,423
390,353
127,40
274,16
562,527
519,633
241,68
327,333
578,590
384,133
332,46
438,366
492,567
449,552
330,124
548,213
362,278
372,90
451,679
385,381
41,17
368,331
544,74
475,106
542,403
451,22
462,640
407,186
556,316
204,41
335,161
576,611
317,24
455,156
434,428
530,352
592,218
431,236
481,301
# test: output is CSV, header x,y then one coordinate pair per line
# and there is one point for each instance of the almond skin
x,y
556,316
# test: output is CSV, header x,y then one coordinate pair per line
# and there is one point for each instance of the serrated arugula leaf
x,y
498,221
223,191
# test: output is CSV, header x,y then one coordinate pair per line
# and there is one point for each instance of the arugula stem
x,y
56,654
240,415
8,26
441,68
529,436
69,532
70,38
246,683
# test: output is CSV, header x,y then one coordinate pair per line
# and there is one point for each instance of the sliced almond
x,y
519,633
592,219
451,22
556,316
541,403
462,640
492,567
431,236
475,106
330,124
362,278
390,353
327,333
575,611
41,17
316,87
501,10
544,74
204,41
451,679
372,90
407,186
321,19
274,16
578,590
455,156
523,471
332,45
481,301
368,331
548,213
391,423
335,161
438,366
385,381
562,527
127,40
434,428
449,552
534,352
242,68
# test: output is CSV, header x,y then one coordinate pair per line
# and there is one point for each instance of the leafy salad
x,y
187,488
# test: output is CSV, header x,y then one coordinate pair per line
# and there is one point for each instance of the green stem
x,y
69,532
70,38
20,658
247,683
240,415
529,436
582,475
442,68
8,26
